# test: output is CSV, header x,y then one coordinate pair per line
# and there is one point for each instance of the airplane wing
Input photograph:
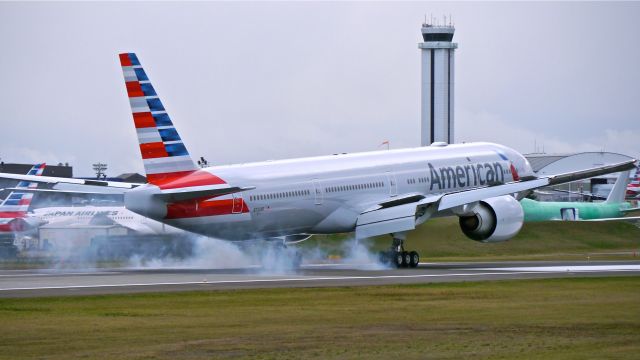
x,y
400,214
60,180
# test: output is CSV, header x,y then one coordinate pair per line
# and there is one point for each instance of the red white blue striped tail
x,y
17,203
164,154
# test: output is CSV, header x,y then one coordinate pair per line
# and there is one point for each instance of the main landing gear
x,y
398,256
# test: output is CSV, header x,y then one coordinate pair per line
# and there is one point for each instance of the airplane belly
x,y
259,223
226,227
285,220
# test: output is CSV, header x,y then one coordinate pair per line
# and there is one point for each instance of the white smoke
x,y
359,256
268,257
207,253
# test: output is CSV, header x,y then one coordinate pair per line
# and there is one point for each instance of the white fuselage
x,y
327,194
88,215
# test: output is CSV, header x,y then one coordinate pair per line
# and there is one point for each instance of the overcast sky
x,y
256,81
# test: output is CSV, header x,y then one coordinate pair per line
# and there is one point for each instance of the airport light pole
x,y
100,169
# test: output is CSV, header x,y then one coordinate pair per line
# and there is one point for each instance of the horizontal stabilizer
x,y
190,193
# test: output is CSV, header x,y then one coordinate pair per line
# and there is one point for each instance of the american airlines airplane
x,y
633,189
371,194
13,210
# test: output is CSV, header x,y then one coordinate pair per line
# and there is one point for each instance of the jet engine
x,y
493,220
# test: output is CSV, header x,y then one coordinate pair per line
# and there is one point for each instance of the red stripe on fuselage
x,y
16,225
12,214
153,150
181,179
134,89
124,60
143,120
200,208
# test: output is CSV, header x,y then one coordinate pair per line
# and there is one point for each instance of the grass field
x,y
596,318
442,240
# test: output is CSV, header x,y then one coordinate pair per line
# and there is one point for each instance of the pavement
x,y
61,282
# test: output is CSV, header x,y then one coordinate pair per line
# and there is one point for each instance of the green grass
x,y
442,240
597,318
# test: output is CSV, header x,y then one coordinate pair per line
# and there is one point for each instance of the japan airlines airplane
x,y
98,215
372,193
15,216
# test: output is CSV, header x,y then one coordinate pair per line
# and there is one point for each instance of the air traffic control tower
x,y
437,84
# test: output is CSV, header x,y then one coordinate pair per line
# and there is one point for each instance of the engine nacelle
x,y
494,220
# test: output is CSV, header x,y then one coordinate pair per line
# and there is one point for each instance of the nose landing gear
x,y
398,256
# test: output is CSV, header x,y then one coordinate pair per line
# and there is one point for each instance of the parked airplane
x,y
613,208
100,215
633,189
13,210
15,216
373,193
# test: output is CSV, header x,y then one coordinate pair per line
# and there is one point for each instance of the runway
x,y
37,283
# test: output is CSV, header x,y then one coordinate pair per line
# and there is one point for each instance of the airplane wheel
x,y
406,261
383,257
399,259
414,259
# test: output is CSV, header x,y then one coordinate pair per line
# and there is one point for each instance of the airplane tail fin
x,y
164,154
619,189
17,203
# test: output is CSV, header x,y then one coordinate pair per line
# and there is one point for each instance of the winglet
x,y
619,189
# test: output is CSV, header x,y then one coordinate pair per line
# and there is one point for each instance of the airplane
x,y
15,216
13,210
633,189
613,208
79,216
371,193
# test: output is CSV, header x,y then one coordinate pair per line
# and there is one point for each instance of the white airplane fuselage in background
x,y
327,194
87,215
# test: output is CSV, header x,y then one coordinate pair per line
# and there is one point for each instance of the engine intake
x,y
494,220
